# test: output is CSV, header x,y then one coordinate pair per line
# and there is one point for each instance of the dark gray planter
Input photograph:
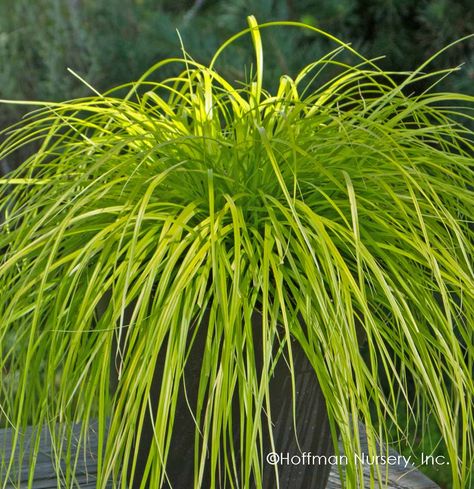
x,y
313,431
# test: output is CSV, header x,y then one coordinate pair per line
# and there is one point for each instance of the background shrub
x,y
109,42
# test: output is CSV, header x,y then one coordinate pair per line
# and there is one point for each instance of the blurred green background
x,y
109,42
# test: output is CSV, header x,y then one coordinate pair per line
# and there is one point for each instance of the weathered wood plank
x,y
399,477
45,477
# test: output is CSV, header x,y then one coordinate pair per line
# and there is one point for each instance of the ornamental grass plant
x,y
341,211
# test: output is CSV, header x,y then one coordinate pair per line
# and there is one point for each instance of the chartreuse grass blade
x,y
341,213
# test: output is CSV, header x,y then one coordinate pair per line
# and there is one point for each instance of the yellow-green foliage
x,y
348,205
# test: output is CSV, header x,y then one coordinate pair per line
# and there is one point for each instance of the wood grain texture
x,y
399,477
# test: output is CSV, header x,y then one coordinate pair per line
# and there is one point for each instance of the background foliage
x,y
108,42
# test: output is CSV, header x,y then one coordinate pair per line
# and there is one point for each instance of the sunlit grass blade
x,y
340,214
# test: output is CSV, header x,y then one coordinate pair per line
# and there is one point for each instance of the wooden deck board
x,y
399,477
45,478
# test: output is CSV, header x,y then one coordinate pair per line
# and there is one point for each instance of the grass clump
x,y
341,212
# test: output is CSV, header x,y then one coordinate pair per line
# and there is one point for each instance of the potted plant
x,y
273,234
